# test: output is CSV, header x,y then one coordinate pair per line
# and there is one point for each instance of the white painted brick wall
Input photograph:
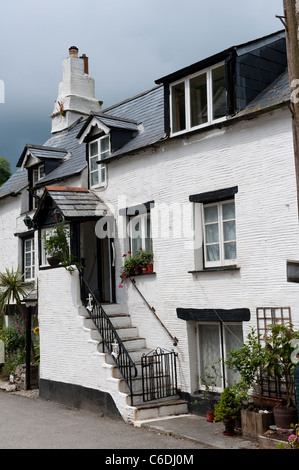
x,y
256,156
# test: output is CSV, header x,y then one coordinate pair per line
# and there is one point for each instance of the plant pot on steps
x,y
210,416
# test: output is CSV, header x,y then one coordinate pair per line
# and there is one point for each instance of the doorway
x,y
97,256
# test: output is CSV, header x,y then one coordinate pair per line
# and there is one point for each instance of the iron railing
x,y
159,374
174,339
110,339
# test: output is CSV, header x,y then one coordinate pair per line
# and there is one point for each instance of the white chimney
x,y
75,92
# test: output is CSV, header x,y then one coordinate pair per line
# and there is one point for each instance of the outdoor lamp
x,y
57,215
27,221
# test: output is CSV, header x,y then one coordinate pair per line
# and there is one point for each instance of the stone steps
x,y
136,347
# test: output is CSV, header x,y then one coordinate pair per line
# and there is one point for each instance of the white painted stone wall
x,y
255,155
9,246
68,354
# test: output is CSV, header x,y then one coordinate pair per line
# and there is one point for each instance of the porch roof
x,y
74,203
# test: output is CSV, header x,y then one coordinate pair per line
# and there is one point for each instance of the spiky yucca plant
x,y
13,289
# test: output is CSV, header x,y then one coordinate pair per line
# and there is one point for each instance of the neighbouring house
x,y
200,170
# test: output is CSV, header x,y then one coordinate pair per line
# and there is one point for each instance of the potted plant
x,y
249,361
136,264
131,267
145,260
279,348
228,409
209,397
56,245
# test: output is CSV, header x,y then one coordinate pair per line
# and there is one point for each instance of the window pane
x,y
233,339
219,92
230,250
211,214
209,349
198,100
178,107
94,178
93,164
103,174
93,149
105,145
228,211
213,253
148,240
229,231
212,233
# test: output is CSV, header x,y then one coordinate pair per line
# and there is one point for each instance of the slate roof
x,y
143,115
15,184
276,94
77,159
42,152
74,202
147,109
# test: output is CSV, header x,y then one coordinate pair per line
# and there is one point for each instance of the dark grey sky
x,y
130,43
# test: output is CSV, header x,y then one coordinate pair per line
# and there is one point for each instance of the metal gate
x,y
159,375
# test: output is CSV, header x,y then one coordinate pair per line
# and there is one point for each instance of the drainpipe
x,y
291,21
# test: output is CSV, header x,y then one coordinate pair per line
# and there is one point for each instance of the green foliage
x,y
134,263
209,380
13,338
13,289
229,406
14,341
248,360
279,348
56,243
5,172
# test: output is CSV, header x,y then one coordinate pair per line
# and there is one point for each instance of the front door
x,y
97,256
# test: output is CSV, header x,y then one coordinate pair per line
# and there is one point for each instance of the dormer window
x,y
198,100
38,173
98,151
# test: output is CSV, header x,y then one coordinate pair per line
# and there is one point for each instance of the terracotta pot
x,y
267,402
150,268
210,416
285,416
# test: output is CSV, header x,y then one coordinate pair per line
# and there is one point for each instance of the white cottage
x,y
199,169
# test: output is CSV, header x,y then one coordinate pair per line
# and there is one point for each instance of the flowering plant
x,y
293,439
133,264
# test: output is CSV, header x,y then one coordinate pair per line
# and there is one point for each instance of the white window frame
x,y
144,220
223,328
38,173
222,261
49,230
101,169
186,81
29,269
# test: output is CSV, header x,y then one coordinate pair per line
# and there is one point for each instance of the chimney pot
x,y
73,51
85,59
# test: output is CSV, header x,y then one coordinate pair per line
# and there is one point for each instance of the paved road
x,y
33,423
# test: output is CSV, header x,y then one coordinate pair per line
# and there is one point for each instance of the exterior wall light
x,y
28,221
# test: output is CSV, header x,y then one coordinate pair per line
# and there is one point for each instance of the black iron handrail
x,y
110,338
174,339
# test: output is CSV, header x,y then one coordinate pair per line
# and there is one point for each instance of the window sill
x,y
233,267
143,274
